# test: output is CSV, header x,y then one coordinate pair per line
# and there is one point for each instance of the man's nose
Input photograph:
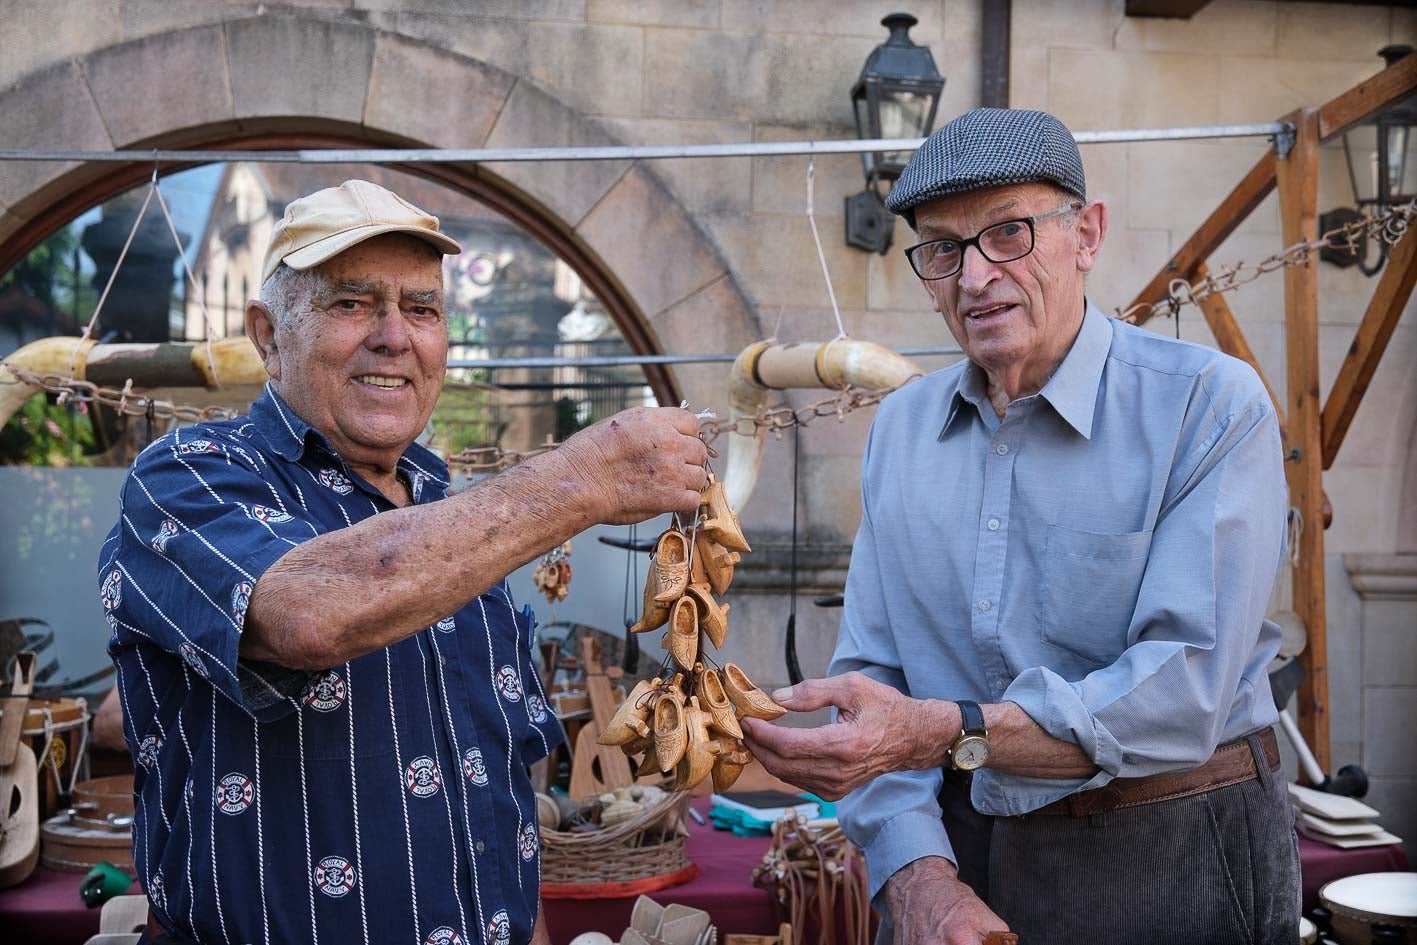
x,y
976,272
389,331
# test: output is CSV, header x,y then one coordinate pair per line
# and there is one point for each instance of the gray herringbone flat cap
x,y
988,147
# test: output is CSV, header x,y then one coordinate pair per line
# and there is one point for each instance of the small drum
x,y
1308,932
1372,901
58,731
98,828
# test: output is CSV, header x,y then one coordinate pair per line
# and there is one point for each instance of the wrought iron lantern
x,y
895,97
1377,152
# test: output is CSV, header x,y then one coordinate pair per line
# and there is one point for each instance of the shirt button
x,y
479,846
984,606
1002,449
993,524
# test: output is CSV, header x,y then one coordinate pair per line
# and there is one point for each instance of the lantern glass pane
x,y
1360,146
1400,187
903,115
862,104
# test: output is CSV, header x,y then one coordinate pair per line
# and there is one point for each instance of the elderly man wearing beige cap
x,y
328,691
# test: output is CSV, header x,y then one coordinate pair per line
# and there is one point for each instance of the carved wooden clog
x,y
720,708
717,560
639,744
722,522
683,636
700,748
670,737
732,758
671,565
629,720
655,612
747,698
713,616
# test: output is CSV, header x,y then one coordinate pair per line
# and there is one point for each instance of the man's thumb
x,y
809,694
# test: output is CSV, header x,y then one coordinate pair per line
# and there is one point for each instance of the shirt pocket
x,y
1088,590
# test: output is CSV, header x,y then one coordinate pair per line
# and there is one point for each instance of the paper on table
x,y
1379,838
1332,806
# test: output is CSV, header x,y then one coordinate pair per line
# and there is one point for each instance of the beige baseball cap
x,y
328,222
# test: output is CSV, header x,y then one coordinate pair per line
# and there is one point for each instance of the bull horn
x,y
223,362
764,366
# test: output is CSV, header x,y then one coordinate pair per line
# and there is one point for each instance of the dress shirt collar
x,y
289,435
1072,390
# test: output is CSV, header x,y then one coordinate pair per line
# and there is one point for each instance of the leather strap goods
x,y
1232,763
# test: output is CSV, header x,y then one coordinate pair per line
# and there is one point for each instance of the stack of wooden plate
x,y
1336,820
97,829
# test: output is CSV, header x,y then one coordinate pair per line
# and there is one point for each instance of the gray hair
x,y
289,292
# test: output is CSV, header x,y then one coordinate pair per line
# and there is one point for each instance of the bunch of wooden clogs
x,y
687,722
552,575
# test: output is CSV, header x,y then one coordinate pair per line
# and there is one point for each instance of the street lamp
x,y
1380,172
895,97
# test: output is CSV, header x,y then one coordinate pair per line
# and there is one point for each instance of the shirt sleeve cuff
x,y
902,840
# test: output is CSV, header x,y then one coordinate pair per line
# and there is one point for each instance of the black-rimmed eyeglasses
x,y
1000,243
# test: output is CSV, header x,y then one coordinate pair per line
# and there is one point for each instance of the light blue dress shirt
x,y
1103,557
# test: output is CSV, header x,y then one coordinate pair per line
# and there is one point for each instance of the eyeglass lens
x,y
1000,243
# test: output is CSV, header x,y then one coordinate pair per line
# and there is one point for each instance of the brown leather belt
x,y
1232,763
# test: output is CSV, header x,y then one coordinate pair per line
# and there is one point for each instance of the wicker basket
x,y
636,855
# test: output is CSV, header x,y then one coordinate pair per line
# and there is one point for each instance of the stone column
x,y
1387,586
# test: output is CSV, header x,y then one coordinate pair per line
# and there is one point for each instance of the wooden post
x,y
1374,332
1298,181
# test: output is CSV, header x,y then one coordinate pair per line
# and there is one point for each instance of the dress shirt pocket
x,y
1088,591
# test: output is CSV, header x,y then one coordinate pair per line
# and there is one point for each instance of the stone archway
x,y
255,83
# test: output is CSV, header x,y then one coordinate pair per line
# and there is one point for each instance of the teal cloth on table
x,y
745,824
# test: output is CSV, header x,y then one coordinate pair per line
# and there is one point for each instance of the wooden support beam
x,y
1368,97
1384,308
1231,339
1241,202
1298,181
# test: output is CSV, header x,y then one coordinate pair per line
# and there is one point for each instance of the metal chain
x,y
125,402
495,458
1387,226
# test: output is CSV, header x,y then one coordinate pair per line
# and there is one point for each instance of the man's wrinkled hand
x,y
639,463
930,905
878,729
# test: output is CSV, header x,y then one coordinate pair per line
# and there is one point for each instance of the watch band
x,y
971,718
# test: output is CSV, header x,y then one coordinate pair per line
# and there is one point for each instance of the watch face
x,y
970,753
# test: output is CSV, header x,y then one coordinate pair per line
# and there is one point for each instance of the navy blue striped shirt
x,y
385,799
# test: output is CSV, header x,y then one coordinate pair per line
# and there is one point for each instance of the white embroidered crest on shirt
x,y
147,751
447,624
192,658
325,692
527,842
473,766
157,891
499,930
422,777
111,591
165,533
197,446
443,935
334,876
264,513
234,793
536,707
240,600
509,684
336,480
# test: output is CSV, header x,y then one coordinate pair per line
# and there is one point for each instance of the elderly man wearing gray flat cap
x,y
1052,713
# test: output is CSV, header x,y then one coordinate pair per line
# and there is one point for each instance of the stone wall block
x,y
1388,712
40,34
1389,404
715,75
1240,26
299,67
717,319
593,69
700,14
568,189
466,96
1174,185
1389,642
51,108
702,185
774,259
1313,31
829,17
780,182
1266,88
1132,90
1075,24
653,250
1364,500
509,9
170,80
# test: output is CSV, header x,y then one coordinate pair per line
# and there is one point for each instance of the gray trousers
x,y
1209,869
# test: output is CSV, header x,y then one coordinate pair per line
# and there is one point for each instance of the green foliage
x,y
45,434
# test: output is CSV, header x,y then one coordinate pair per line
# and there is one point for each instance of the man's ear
x,y
1091,231
261,329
